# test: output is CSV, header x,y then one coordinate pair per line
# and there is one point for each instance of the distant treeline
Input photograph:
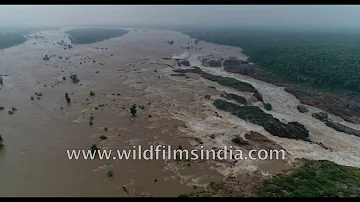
x,y
92,35
8,40
325,60
12,36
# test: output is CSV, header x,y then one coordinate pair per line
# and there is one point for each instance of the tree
x,y
1,142
94,148
68,99
133,109
74,78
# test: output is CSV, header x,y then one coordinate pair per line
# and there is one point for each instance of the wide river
x,y
131,70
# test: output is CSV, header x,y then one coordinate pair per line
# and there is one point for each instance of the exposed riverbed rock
x,y
181,74
194,69
302,108
224,81
238,66
259,141
225,95
239,70
322,116
344,106
185,63
253,114
239,141
212,62
230,82
339,105
342,128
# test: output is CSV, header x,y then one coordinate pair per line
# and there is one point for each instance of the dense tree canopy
x,y
92,35
8,40
321,59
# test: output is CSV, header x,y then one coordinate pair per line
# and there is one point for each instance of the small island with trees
x,y
93,35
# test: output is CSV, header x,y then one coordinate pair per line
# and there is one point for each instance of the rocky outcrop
x,y
225,95
255,115
259,141
302,108
244,70
322,116
230,82
234,62
181,74
239,141
224,81
212,62
342,128
339,105
194,69
235,65
185,63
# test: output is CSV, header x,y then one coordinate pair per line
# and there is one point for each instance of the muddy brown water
x,y
36,137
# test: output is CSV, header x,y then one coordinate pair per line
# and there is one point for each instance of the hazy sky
x,y
299,15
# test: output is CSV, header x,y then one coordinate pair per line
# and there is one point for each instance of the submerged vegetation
x,y
92,35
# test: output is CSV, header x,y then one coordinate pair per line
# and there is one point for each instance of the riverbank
x,y
272,51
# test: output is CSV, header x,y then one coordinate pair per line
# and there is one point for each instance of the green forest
x,y
325,60
92,35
